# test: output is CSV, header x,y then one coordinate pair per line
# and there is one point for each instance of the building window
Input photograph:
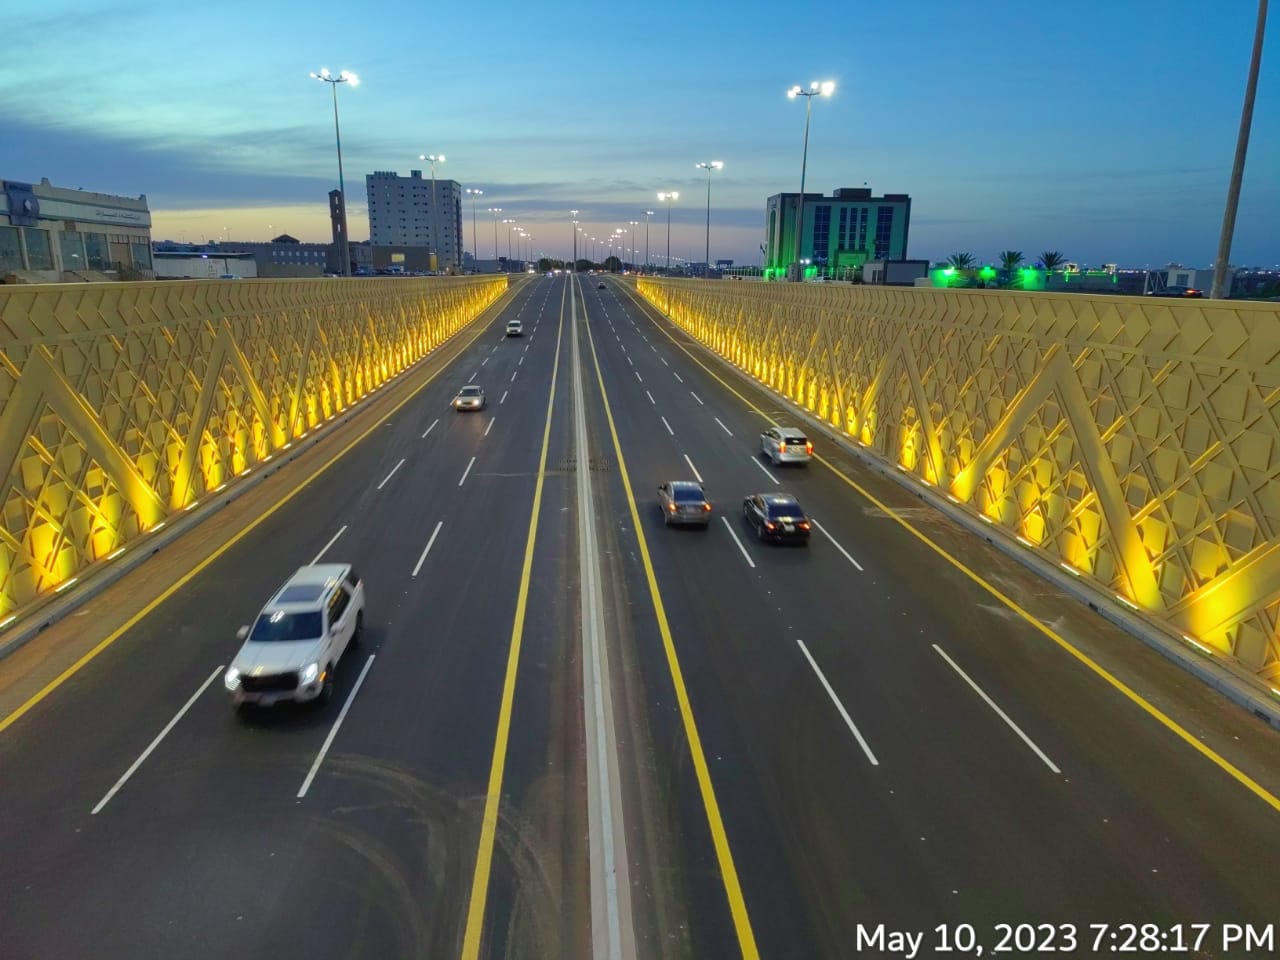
x,y
862,229
10,249
844,228
97,253
821,233
71,246
884,232
39,250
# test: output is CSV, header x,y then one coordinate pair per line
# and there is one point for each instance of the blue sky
x,y
1104,130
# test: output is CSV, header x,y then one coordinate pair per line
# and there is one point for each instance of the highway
x,y
804,742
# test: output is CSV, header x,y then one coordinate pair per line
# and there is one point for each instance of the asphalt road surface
x,y
804,743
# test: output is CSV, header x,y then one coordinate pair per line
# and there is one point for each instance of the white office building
x,y
416,212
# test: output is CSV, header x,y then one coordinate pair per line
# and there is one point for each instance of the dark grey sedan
x,y
776,516
684,502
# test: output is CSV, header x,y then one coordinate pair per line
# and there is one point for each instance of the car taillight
x,y
809,447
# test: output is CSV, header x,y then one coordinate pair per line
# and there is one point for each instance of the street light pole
x,y
633,224
509,229
818,88
574,224
344,76
647,215
433,159
475,250
668,197
709,165
495,211
1237,167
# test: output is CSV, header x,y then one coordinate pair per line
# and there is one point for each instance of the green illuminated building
x,y
841,232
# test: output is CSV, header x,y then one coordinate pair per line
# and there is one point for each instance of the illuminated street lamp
x,y
475,250
574,223
668,198
818,88
345,76
510,226
495,211
633,224
647,215
708,166
433,159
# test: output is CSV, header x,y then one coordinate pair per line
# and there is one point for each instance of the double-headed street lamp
x,y
345,76
510,226
433,159
668,198
495,211
708,166
633,224
647,215
574,224
819,88
475,250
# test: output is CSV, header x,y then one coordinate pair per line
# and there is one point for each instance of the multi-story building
x,y
414,214
841,232
49,233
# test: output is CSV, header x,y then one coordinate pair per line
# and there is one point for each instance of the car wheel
x,y
358,634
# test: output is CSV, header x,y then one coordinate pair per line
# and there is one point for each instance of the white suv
x,y
291,650
515,328
786,445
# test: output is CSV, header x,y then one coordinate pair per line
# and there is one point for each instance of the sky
x,y
1103,129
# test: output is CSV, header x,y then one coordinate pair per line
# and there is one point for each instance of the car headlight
x,y
310,673
232,679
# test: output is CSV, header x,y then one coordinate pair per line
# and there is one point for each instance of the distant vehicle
x,y
291,650
1176,292
515,328
229,276
684,502
470,397
786,445
600,286
776,516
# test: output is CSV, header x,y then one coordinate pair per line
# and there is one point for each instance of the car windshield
x,y
470,391
281,627
784,508
688,494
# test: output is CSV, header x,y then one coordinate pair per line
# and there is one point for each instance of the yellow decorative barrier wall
x,y
1136,441
123,403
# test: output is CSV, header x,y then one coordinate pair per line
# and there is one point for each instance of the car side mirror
x,y
242,634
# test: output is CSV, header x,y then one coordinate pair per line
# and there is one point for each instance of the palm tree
x,y
1010,260
1052,259
961,261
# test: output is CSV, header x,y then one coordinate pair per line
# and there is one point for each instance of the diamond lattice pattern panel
x,y
1137,442
121,403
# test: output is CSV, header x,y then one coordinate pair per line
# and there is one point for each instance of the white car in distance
x,y
515,328
291,650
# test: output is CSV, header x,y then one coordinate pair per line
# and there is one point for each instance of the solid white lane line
x,y
133,768
746,556
467,471
698,398
693,468
839,706
837,545
638,377
430,428
677,376
723,427
472,377
484,361
333,731
325,548
513,377
667,425
992,704
775,480
391,474
650,396
427,549
490,427
504,397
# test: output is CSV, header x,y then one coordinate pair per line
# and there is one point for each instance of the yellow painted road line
x,y
186,578
1265,795
493,795
728,873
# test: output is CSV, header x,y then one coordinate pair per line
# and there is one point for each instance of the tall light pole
x,y
1237,167
668,198
510,227
433,159
647,215
633,224
708,166
819,88
475,250
344,76
495,211
574,224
